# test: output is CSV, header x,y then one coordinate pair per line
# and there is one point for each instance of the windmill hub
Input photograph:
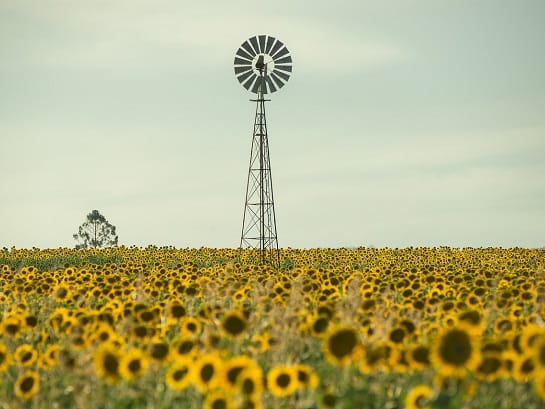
x,y
260,63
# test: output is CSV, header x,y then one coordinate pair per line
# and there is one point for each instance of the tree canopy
x,y
96,232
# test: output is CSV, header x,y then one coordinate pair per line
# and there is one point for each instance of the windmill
x,y
262,65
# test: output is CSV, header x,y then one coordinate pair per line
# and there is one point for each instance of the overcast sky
x,y
404,123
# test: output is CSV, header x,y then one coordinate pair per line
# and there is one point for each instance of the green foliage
x,y
96,232
52,263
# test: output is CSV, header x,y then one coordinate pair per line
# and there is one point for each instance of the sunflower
x,y
319,325
25,355
217,399
145,316
48,359
398,361
341,345
531,334
178,376
329,400
376,357
418,357
106,360
525,367
133,364
5,358
539,385
282,380
250,381
490,367
27,384
233,324
12,326
206,372
419,397
261,342
539,352
473,319
176,310
306,377
158,351
251,402
234,367
62,294
397,335
455,351
103,333
509,360
212,340
141,332
190,326
31,321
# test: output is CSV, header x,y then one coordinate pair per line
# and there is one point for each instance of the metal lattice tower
x,y
259,221
262,65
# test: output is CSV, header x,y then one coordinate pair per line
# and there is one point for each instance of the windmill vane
x,y
262,65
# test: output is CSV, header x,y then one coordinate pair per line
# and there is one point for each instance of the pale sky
x,y
405,123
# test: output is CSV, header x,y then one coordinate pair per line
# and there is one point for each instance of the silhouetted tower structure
x,y
262,65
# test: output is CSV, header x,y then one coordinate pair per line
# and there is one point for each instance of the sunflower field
x,y
160,327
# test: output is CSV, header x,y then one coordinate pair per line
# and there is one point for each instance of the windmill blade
x,y
243,77
255,44
283,51
243,54
277,80
262,39
283,67
270,84
246,45
285,60
248,84
240,61
270,41
241,69
281,74
276,47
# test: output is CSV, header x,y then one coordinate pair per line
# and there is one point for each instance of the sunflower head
x,y
306,377
133,364
27,384
25,355
419,397
234,324
178,375
490,366
455,351
341,345
282,380
158,350
218,399
206,371
106,360
5,358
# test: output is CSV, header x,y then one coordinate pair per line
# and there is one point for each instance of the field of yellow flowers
x,y
160,327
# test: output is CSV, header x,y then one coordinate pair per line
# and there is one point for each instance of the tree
x,y
96,232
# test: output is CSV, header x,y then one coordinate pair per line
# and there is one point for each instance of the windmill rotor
x,y
263,63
